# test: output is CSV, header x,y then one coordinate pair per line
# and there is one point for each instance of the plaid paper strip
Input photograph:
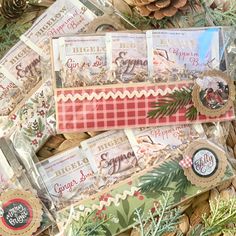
x,y
186,162
79,115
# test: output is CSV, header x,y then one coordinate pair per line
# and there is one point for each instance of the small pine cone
x,y
12,9
159,8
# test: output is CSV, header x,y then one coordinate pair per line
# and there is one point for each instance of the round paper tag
x,y
208,164
22,213
213,94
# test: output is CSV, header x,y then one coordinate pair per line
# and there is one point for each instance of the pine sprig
x,y
9,35
167,219
171,103
87,226
191,113
158,179
219,16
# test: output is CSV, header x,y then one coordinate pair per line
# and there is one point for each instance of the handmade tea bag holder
x,y
137,191
132,105
21,211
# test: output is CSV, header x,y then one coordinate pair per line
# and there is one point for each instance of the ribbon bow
x,y
186,162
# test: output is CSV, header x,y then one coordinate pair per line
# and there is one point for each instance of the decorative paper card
x,y
111,155
83,61
68,177
171,53
131,106
127,57
63,17
149,142
118,203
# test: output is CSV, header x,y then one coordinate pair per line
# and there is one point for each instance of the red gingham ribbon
x,y
186,162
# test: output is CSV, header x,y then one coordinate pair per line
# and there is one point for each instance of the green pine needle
x,y
220,17
171,103
191,113
158,179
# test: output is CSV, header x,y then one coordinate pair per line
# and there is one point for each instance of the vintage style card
x,y
20,73
83,61
173,52
148,142
68,177
127,57
63,17
111,155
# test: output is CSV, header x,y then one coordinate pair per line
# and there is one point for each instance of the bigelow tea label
x,y
19,74
83,60
127,56
111,155
63,17
68,176
176,51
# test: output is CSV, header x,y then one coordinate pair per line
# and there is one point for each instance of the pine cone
x,y
159,8
12,9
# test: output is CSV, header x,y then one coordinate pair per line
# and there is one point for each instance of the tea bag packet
x,y
173,54
10,93
83,60
149,143
20,73
111,156
64,16
127,57
68,177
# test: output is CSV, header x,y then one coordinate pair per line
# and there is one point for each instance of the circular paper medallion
x,y
208,164
213,94
105,23
22,213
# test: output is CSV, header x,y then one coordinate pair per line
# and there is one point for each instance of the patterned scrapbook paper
x,y
80,110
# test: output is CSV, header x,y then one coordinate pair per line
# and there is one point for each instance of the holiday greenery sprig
x,y
162,221
172,102
86,226
159,178
221,219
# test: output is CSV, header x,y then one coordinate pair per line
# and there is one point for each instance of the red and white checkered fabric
x,y
106,114
186,162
